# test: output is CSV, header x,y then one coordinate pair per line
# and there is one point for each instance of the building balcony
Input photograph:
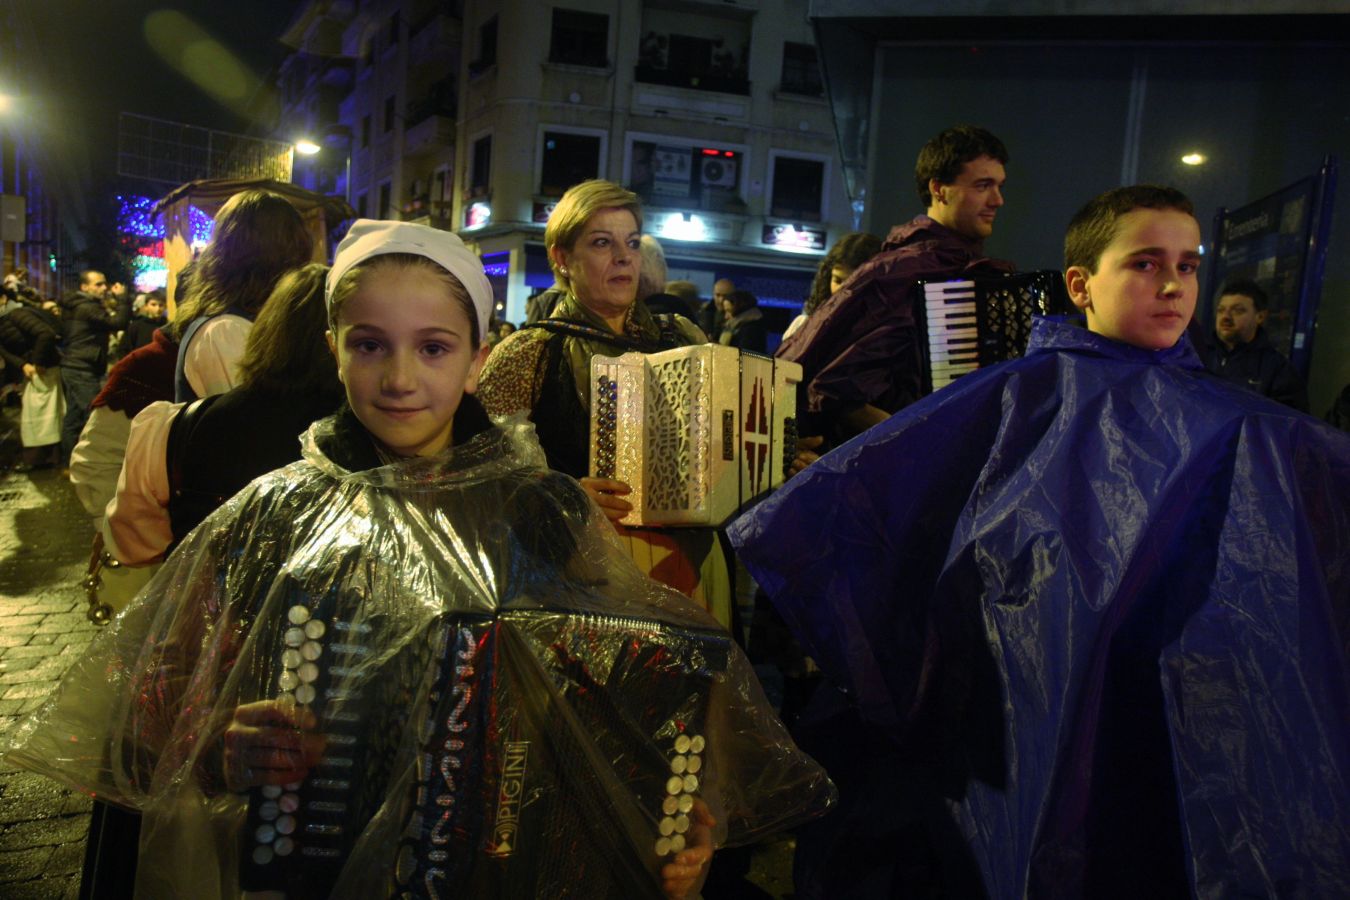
x,y
431,134
722,83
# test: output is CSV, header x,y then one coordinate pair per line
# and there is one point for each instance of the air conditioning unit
x,y
718,171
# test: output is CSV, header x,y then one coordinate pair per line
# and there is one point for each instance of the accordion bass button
x,y
679,764
286,824
265,834
676,843
674,785
298,614
308,672
288,680
696,744
695,763
311,650
662,846
262,855
305,693
686,803
682,744
691,783
271,791
289,803
670,806
666,827
314,629
294,637
681,824
284,846
268,810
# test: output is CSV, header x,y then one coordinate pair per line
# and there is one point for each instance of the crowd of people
x,y
1073,626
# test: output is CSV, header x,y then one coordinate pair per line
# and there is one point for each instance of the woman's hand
x,y
608,494
268,743
806,453
683,876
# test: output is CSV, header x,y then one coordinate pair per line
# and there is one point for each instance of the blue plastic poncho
x,y
1112,595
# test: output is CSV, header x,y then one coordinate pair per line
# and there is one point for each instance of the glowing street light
x,y
1194,159
306,147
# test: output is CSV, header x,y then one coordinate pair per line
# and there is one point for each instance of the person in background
x,y
711,315
594,245
29,339
847,254
88,327
258,237
142,327
860,352
652,282
1240,351
744,326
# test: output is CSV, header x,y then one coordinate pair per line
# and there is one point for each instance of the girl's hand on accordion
x,y
270,742
683,876
806,453
608,495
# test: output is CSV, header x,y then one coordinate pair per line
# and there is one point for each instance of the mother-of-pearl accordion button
x,y
294,637
662,846
291,658
674,784
262,855
288,680
268,810
271,791
285,824
686,803
289,803
314,629
666,827
696,744
308,672
695,763
265,834
678,764
311,650
305,693
681,824
670,806
682,744
284,846
691,783
298,614
676,843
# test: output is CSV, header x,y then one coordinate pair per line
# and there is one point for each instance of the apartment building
x,y
476,116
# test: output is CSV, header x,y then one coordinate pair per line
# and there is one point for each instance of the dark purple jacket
x,y
860,347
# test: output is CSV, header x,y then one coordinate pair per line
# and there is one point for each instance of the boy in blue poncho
x,y
1087,613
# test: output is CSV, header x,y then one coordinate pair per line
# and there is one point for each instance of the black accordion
x,y
965,325
556,755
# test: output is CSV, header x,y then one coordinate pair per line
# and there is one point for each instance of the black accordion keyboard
x,y
970,324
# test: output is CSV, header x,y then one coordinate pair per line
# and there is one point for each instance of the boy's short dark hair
x,y
1247,288
943,156
1094,226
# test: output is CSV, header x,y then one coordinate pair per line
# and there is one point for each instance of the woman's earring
x,y
562,269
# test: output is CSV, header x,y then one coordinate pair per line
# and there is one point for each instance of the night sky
x,y
98,58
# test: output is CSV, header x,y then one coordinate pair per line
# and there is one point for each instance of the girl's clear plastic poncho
x,y
505,706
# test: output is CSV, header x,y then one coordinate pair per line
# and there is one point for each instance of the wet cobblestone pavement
x,y
44,548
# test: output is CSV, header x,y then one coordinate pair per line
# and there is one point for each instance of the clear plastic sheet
x,y
1102,600
509,708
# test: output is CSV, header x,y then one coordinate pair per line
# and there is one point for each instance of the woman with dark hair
x,y
259,237
184,461
744,328
847,254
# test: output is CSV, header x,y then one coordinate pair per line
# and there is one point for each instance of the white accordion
x,y
697,432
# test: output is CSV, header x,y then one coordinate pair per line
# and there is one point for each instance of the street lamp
x,y
309,147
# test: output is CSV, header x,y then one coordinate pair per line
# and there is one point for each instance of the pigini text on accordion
x,y
970,324
697,432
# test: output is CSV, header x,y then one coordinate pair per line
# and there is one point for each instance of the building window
x,y
365,131
480,166
362,202
567,159
579,38
487,47
389,105
695,176
385,200
801,71
391,34
798,188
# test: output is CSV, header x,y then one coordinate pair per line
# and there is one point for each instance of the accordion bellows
x,y
508,707
697,432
